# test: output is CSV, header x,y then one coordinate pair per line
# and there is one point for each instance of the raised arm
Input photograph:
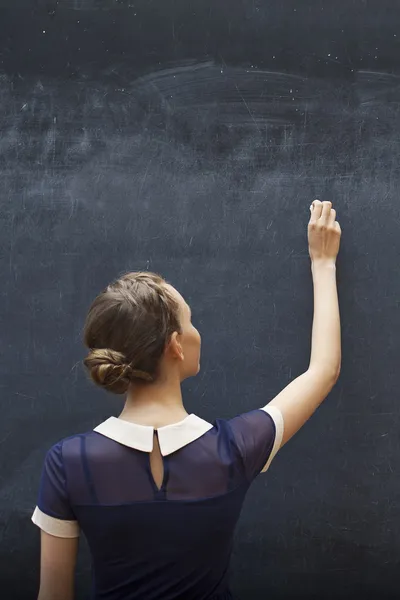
x,y
298,401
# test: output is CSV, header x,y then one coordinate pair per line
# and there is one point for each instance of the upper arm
x,y
257,436
57,567
60,531
54,513
299,400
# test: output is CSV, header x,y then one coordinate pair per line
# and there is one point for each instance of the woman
x,y
158,492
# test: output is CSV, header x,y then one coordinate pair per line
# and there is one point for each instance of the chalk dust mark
x,y
248,109
144,179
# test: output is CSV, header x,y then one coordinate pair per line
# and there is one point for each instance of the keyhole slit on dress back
x,y
157,463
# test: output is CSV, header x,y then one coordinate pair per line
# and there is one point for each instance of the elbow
x,y
332,381
333,376
338,371
327,376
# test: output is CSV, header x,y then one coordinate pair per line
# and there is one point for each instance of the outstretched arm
x,y
298,401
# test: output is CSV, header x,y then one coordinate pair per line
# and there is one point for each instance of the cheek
x,y
192,343
196,340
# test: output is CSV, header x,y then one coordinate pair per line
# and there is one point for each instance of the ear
x,y
175,347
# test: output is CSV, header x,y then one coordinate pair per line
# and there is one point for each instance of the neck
x,y
157,404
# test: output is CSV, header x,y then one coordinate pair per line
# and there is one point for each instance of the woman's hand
x,y
323,232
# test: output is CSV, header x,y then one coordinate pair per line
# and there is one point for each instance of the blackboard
x,y
189,138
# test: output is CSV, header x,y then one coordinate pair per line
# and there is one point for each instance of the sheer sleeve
x,y
53,513
258,437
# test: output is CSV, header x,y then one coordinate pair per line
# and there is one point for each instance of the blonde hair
x,y
127,329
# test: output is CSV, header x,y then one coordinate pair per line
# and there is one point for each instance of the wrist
x,y
323,264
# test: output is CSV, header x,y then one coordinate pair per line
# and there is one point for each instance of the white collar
x,y
140,437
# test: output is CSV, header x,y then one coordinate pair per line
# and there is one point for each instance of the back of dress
x,y
148,542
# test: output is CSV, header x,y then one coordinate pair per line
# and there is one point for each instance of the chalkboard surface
x,y
189,138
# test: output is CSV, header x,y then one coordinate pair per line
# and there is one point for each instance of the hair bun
x,y
109,370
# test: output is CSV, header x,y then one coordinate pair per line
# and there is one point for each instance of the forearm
x,y
326,339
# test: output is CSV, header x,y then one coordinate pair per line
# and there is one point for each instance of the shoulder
x,y
68,447
264,418
257,435
247,429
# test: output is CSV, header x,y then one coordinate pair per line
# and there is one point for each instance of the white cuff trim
x,y
277,418
53,526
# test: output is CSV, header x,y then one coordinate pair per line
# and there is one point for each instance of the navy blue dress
x,y
150,543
